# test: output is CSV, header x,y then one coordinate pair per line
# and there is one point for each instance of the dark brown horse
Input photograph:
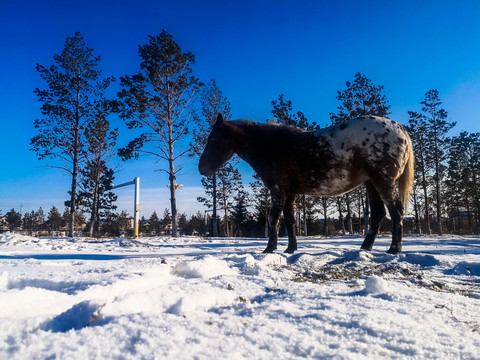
x,y
367,150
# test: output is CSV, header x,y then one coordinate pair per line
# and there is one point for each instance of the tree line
x,y
169,112
55,223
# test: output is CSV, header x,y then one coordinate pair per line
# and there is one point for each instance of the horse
x,y
331,161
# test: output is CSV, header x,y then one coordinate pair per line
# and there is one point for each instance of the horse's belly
x,y
336,183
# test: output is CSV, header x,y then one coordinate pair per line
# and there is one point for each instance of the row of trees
x,y
170,112
55,223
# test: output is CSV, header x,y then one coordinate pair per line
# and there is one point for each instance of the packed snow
x,y
197,298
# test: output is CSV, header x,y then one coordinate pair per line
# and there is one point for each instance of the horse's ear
x,y
219,120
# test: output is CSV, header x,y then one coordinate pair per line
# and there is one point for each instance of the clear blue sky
x,y
254,49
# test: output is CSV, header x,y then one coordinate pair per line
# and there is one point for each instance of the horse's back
x,y
361,149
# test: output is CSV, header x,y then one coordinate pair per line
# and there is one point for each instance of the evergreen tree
x,y
229,181
29,222
154,225
124,223
40,219
74,97
142,226
463,175
97,179
437,128
183,224
240,214
261,203
54,220
167,221
282,114
213,102
360,98
418,132
158,101
110,225
14,220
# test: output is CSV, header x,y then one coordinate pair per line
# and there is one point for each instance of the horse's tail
x,y
405,181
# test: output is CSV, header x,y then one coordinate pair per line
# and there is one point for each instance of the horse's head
x,y
219,149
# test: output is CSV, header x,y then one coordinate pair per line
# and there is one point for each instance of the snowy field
x,y
195,298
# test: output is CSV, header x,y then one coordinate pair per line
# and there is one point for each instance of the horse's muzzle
x,y
204,170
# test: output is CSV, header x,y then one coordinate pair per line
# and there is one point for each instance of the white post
x,y
136,206
136,202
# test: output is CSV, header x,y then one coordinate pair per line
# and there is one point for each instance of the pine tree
x,y
229,181
74,97
166,221
54,220
158,101
282,114
213,102
29,221
154,225
261,203
240,214
418,132
463,174
436,154
14,220
97,179
124,223
360,98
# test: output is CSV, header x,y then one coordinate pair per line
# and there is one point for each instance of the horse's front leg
x,y
289,218
278,202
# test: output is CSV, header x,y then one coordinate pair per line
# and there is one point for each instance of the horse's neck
x,y
250,143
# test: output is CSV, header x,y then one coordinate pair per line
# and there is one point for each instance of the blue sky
x,y
254,49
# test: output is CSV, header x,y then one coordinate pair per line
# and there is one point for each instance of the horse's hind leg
x,y
390,197
377,209
289,218
395,209
278,202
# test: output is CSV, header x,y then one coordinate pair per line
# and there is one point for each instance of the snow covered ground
x,y
194,298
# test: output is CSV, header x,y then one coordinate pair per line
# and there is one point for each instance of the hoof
x,y
290,251
394,250
366,248
269,250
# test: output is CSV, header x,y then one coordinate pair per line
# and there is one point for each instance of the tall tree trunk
x,y
73,189
417,217
173,199
94,218
340,215
367,213
214,207
437,177
267,224
424,188
304,215
325,216
349,214
477,200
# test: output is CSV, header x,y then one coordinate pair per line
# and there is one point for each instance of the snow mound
x,y
207,267
274,260
375,285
